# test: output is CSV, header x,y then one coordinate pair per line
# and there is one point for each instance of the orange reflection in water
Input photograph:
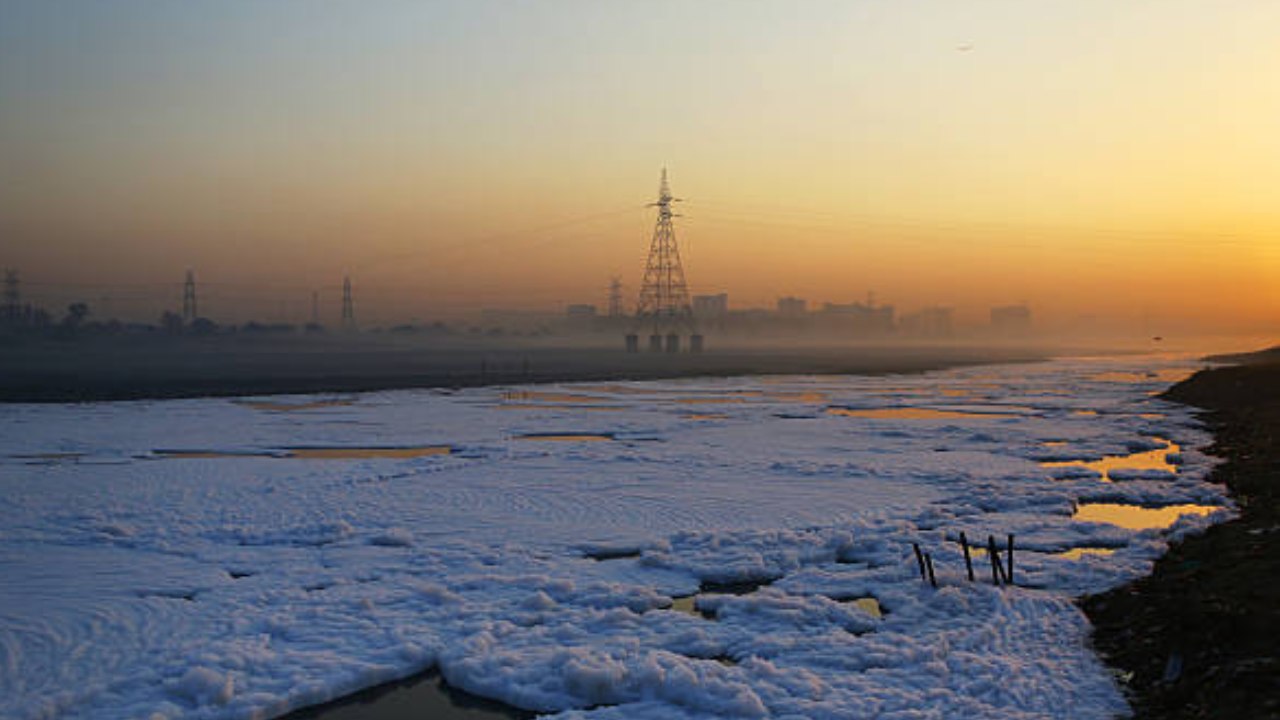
x,y
869,605
1135,517
1077,553
797,397
908,413
622,390
686,605
1147,460
1169,375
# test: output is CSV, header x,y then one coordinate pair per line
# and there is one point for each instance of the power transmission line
x,y
664,295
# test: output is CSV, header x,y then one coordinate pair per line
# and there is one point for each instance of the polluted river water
x,y
914,413
1157,459
1138,517
291,582
313,453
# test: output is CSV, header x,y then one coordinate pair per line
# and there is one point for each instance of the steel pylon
x,y
664,295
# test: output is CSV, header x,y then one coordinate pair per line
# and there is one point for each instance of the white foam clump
x,y
247,587
394,537
203,686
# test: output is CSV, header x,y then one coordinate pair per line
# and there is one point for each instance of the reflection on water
x,y
531,400
798,397
705,416
313,453
607,555
1054,443
565,437
1146,460
1136,517
1077,553
535,396
622,390
869,605
1167,375
422,696
49,458
1085,413
367,453
909,413
267,406
575,408
688,604
209,454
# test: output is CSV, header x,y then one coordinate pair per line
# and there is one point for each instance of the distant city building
x,y
932,322
710,306
1011,320
791,307
580,312
857,319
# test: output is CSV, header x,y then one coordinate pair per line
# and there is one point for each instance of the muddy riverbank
x,y
1198,637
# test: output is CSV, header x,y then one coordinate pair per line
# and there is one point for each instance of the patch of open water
x,y
1137,517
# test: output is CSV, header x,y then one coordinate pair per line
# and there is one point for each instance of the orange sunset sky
x,y
1111,158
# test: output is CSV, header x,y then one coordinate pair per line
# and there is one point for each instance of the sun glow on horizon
x,y
1089,158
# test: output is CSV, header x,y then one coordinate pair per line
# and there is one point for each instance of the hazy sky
x,y
1114,157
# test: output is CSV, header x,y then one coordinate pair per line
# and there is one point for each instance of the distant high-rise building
x,y
710,306
931,322
791,307
857,318
1011,320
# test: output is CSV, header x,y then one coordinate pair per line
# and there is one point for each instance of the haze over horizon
x,y
1104,158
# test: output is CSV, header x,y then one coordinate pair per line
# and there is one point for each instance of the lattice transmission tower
x,y
664,295
189,310
348,305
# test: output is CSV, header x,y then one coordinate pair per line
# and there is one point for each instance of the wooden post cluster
x,y
968,563
925,561
1001,572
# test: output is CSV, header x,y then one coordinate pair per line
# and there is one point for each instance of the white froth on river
x,y
242,573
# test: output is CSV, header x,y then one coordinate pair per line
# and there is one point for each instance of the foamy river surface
x,y
687,549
